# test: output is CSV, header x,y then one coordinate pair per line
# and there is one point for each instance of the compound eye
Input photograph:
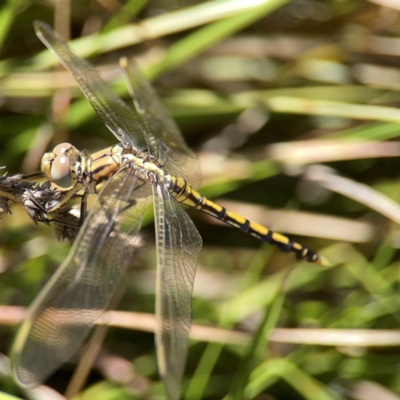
x,y
61,148
61,170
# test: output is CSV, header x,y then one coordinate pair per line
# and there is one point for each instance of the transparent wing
x,y
178,249
119,118
163,135
150,130
63,313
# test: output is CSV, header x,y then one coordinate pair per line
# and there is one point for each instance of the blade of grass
x,y
126,14
286,104
257,348
151,28
200,378
308,387
212,352
5,396
263,294
7,15
370,131
208,36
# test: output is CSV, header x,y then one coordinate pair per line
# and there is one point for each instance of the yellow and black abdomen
x,y
185,194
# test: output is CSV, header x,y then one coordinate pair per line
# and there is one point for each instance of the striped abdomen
x,y
185,194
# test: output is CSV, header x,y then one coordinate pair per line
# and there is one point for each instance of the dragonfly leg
x,y
33,175
82,214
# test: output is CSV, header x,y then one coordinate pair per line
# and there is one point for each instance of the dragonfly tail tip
x,y
323,262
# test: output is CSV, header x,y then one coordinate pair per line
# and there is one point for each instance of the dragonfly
x,y
151,159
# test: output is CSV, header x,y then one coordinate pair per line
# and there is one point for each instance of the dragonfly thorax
x,y
59,166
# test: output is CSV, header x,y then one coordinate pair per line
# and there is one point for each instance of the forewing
x,y
163,135
178,249
119,118
63,313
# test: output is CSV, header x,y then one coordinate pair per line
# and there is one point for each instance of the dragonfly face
x,y
151,158
61,166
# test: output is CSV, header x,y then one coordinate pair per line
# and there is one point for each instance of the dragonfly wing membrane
x,y
119,118
62,315
150,129
164,136
178,249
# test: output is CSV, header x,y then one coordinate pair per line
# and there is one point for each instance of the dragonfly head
x,y
60,166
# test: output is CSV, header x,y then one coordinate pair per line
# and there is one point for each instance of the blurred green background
x,y
292,107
